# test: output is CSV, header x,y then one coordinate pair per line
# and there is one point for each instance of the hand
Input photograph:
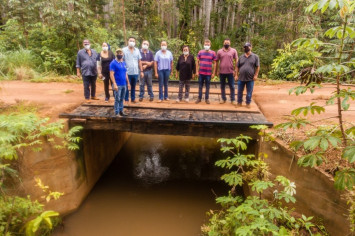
x,y
156,75
100,76
78,75
144,67
142,74
255,78
212,76
115,87
236,78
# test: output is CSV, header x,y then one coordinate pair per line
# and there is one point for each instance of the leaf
x,y
349,154
345,179
233,179
311,160
259,186
312,143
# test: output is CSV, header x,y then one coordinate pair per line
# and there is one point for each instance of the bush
x,y
289,62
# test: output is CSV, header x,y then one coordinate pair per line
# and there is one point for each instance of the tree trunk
x,y
208,17
124,22
232,17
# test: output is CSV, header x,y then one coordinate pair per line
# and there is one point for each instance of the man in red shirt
x,y
227,57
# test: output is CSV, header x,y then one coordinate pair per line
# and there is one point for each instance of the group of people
x,y
129,65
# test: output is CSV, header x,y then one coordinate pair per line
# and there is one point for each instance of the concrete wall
x,y
315,195
75,174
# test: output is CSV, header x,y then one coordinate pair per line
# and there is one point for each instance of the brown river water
x,y
156,186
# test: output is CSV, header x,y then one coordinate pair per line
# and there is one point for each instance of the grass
x,y
19,107
68,91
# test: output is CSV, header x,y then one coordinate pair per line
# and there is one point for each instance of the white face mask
x,y
164,48
131,44
87,46
207,47
185,53
145,46
105,49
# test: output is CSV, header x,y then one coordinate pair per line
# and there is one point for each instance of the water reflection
x,y
156,186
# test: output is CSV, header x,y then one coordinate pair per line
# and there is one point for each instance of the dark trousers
x,y
204,79
107,83
182,84
249,85
89,82
132,81
230,78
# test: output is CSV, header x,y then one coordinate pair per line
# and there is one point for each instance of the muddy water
x,y
157,185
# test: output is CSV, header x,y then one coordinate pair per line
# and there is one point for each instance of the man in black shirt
x,y
247,71
147,65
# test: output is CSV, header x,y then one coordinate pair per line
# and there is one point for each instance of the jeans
x,y
241,85
201,80
230,78
182,84
163,80
132,81
89,81
119,96
107,83
147,79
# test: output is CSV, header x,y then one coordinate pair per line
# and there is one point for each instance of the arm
x,y
197,66
128,86
99,68
78,65
112,77
193,66
216,68
156,68
213,69
236,63
141,67
256,73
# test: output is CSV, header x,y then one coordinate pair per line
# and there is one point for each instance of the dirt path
x,y
273,100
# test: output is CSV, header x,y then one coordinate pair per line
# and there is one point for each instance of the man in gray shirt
x,y
247,71
86,63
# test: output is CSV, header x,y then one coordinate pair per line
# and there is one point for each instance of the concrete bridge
x,y
170,117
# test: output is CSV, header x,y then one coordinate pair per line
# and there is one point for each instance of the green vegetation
x,y
21,133
259,213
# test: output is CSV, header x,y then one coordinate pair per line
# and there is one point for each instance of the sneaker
x,y
239,104
178,100
207,101
167,99
160,100
122,113
87,100
107,99
222,102
140,99
118,115
234,102
151,99
198,101
94,98
187,100
248,106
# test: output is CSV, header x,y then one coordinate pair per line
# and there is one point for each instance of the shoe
x,y
122,113
234,102
140,99
151,99
187,100
167,99
239,104
107,99
207,101
198,101
135,102
94,98
248,106
160,100
178,100
118,115
222,102
87,100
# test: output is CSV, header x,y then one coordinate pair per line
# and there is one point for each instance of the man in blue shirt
x,y
132,57
86,63
119,79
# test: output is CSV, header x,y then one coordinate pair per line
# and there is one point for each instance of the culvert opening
x,y
156,185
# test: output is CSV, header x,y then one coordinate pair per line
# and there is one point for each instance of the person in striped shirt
x,y
206,60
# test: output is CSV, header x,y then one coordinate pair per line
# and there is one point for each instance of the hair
x,y
226,39
145,41
131,37
163,42
207,41
86,40
185,46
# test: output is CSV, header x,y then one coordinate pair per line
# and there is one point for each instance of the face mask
x,y
145,46
119,57
131,44
87,46
164,48
207,47
246,49
226,46
185,53
105,49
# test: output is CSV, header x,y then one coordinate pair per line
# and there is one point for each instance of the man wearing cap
x,y
86,63
247,72
119,79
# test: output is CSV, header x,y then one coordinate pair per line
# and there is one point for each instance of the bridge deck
x,y
170,117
